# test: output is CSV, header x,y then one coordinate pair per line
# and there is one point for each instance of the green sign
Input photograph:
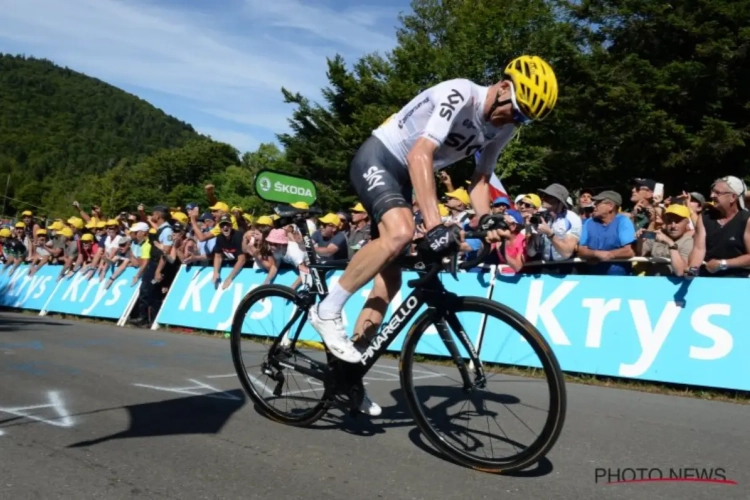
x,y
284,188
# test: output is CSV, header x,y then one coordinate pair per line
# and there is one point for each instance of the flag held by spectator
x,y
497,189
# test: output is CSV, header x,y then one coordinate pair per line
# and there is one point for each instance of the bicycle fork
x,y
450,319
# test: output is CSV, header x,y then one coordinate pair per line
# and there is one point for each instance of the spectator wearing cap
x,y
253,241
311,225
179,240
607,235
87,250
585,205
69,253
217,210
42,254
642,196
286,252
696,202
673,241
330,244
228,250
722,236
122,260
559,230
13,248
153,282
500,205
111,243
27,217
359,234
140,249
458,202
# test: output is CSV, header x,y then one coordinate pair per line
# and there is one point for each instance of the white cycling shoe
x,y
370,407
335,338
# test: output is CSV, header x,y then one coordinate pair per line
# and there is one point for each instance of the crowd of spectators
x,y
548,233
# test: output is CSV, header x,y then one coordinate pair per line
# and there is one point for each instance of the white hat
x,y
737,186
139,226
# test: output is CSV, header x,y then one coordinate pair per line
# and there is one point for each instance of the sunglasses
x,y
518,115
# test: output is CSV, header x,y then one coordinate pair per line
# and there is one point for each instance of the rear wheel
x,y
431,362
266,341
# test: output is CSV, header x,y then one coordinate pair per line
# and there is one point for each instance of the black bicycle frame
x,y
430,292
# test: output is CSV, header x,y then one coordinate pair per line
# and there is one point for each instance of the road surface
x,y
89,410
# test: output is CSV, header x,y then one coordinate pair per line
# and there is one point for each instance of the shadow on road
x,y
15,323
204,414
454,426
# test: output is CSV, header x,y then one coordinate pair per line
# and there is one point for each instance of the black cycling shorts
x,y
380,181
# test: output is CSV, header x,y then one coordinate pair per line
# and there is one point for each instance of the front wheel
x,y
427,364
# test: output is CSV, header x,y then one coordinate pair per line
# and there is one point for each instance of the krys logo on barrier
x,y
648,327
27,292
83,296
284,188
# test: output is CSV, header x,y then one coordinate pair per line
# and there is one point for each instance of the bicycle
x,y
342,383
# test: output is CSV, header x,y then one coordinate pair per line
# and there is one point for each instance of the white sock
x,y
332,305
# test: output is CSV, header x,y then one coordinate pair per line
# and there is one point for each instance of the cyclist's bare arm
x,y
423,179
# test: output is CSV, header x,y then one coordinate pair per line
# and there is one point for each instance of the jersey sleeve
x,y
448,98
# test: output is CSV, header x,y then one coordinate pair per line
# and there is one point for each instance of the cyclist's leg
x,y
380,181
386,285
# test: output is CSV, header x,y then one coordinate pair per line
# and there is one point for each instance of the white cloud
x,y
228,63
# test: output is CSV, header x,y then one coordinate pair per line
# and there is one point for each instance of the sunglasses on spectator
x,y
523,204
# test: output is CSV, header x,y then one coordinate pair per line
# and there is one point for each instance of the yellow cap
x,y
101,224
236,209
444,212
678,210
461,195
112,222
534,199
21,225
27,213
264,220
76,222
5,233
66,231
220,205
331,218
180,217
87,237
358,208
55,226
42,232
248,218
300,205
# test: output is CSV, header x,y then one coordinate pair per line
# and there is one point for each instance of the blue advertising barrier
x,y
83,296
22,291
195,302
659,329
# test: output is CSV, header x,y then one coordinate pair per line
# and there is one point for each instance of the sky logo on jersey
x,y
448,106
374,177
459,142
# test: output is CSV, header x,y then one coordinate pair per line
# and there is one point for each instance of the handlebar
x,y
494,222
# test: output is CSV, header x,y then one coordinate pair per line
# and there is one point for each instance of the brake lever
x,y
453,266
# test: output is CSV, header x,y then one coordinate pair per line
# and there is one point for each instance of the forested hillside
x,y
62,132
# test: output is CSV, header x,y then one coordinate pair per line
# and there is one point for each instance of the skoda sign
x,y
278,187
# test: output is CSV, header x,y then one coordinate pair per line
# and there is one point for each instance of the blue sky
x,y
217,64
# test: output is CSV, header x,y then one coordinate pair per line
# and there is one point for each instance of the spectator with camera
x,y
557,230
722,236
673,241
606,236
642,196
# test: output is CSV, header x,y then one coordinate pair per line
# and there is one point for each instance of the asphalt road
x,y
95,411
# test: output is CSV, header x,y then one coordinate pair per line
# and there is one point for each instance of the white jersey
x,y
451,115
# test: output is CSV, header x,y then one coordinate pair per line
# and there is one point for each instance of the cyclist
x,y
442,125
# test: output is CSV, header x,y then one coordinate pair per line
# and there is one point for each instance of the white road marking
x,y
55,402
193,390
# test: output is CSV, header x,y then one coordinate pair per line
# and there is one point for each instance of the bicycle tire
x,y
558,398
308,417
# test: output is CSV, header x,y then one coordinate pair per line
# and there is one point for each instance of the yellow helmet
x,y
535,85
